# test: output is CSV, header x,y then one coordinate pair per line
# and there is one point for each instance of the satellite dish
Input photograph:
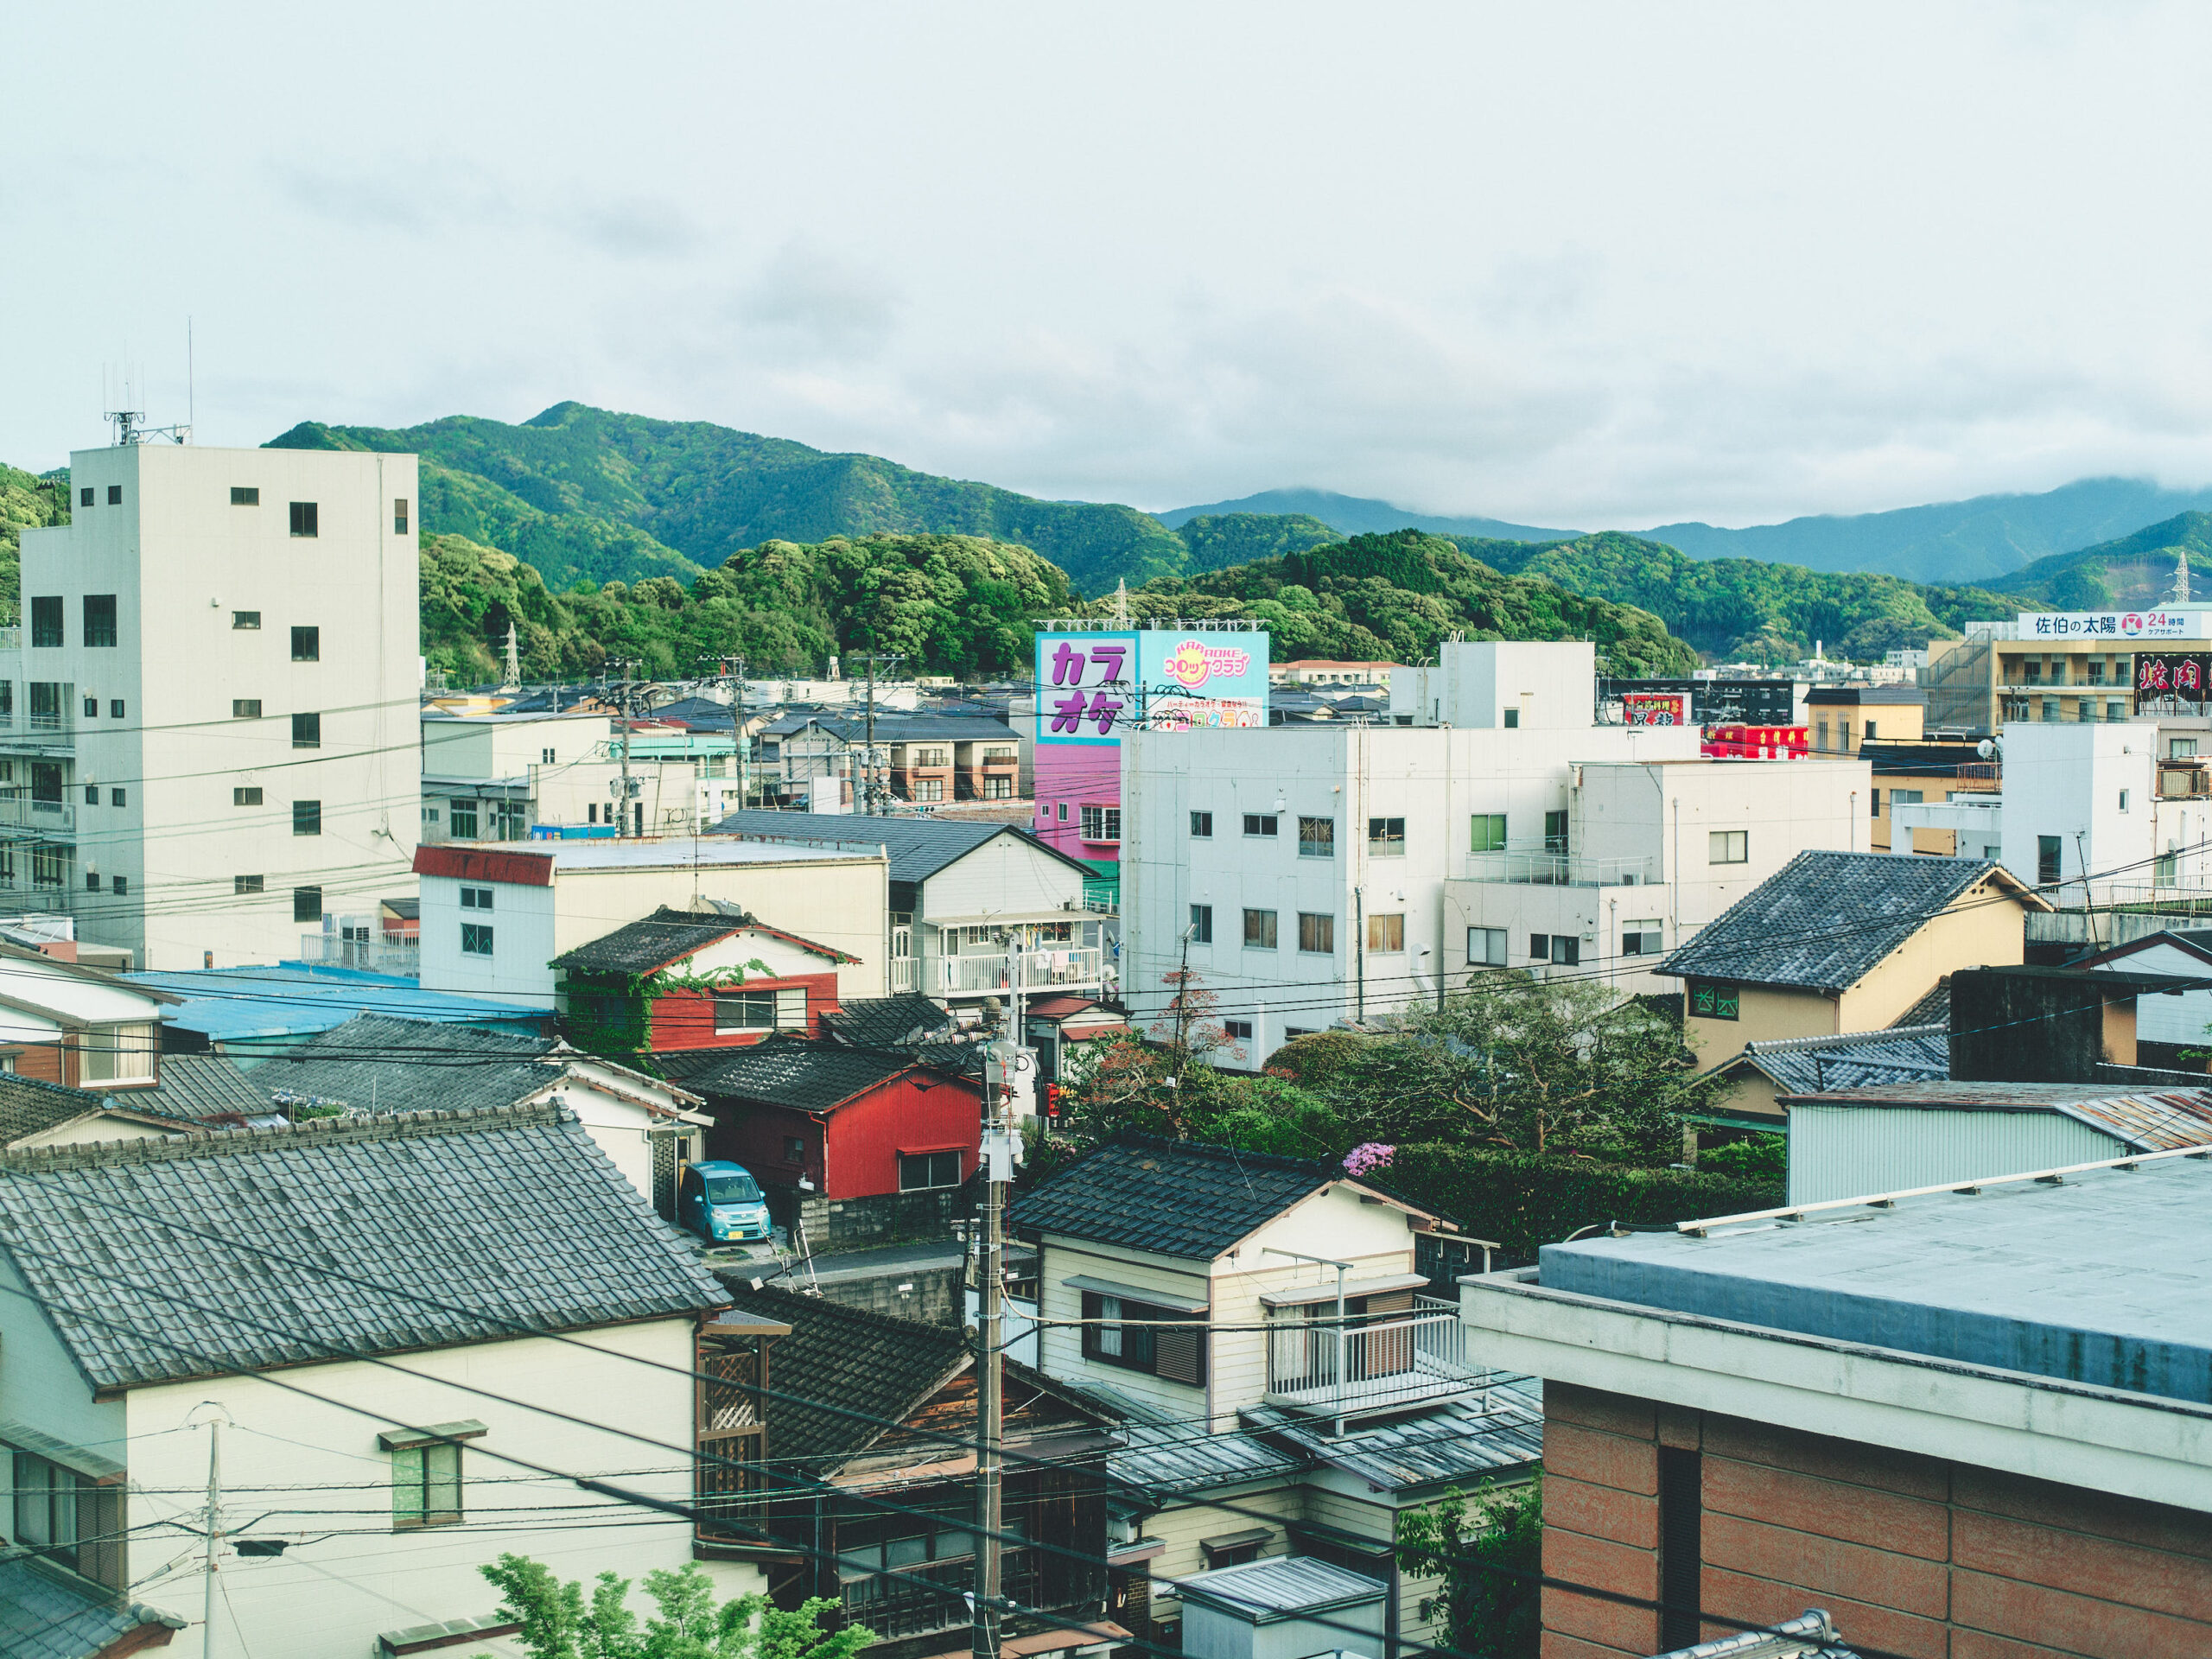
x,y
1986,749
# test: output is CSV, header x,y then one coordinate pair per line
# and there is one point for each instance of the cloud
x,y
808,300
443,199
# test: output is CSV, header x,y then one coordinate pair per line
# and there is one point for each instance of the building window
x,y
1386,934
99,619
1486,947
2050,709
49,705
1873,803
2115,710
1869,731
245,495
399,515
92,881
794,1149
476,897
45,781
245,708
1906,797
1728,847
461,819
1202,826
1512,719
91,707
1565,949
1555,832
475,939
1064,812
922,1172
304,519
116,797
242,620
1487,833
91,794
1201,924
2123,800
306,903
121,884
115,708
49,866
1317,837
84,496
745,1011
1143,1344
1260,824
2047,860
1260,929
998,789
306,731
425,1483
545,757
1385,838
1681,1548
243,885
307,817
46,619
1237,1031
1712,1000
927,789
1100,823
1317,934
1641,938
66,1518
246,795
307,645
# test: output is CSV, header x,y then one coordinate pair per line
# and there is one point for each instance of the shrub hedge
x,y
1527,1200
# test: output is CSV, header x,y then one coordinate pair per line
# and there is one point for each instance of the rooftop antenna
x,y
131,426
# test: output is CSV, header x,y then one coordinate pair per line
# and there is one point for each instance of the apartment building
x,y
2073,667
207,719
1845,716
514,777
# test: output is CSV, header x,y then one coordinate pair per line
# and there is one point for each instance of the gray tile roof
x,y
792,1072
48,1613
917,848
1933,1010
665,936
159,1260
200,1085
1173,1197
1860,1059
887,1022
374,1062
1824,919
28,1106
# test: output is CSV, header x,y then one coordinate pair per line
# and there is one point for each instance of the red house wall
x,y
1912,1556
917,1111
685,1020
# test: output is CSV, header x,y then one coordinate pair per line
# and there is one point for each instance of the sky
x,y
1592,265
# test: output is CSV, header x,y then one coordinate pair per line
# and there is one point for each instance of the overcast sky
x,y
1567,266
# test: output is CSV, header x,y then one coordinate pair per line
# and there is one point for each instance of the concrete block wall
x,y
1913,1556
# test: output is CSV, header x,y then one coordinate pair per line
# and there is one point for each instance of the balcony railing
x,y
906,973
915,1600
19,811
1371,1365
1561,870
969,976
386,955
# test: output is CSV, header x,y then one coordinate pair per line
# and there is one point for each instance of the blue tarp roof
x,y
293,999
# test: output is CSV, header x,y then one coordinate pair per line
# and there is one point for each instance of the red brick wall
x,y
1911,1555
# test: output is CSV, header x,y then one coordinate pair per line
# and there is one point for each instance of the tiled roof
x,y
1858,1060
864,1362
918,848
47,1613
887,1022
1933,1010
1824,919
28,1106
374,1062
251,1227
665,936
1173,1197
807,1076
200,1085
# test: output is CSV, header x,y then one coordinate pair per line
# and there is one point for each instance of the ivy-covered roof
x,y
668,935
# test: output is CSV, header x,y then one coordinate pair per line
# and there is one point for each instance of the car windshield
x,y
732,1189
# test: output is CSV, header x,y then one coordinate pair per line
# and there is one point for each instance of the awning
x,y
1306,1294
1167,1298
1009,917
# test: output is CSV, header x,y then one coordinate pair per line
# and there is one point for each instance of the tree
x,y
559,1622
1490,1606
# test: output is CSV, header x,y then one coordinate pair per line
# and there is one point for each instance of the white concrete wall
x,y
507,746
2066,781
1435,779
1006,874
1548,685
181,560
303,1468
523,931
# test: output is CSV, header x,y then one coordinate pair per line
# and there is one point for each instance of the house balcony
x,y
933,1596
984,974
393,954
1561,870
1377,1365
19,813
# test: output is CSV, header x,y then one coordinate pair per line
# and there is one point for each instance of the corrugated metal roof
x,y
1282,1585
1501,1430
1167,1455
2147,1120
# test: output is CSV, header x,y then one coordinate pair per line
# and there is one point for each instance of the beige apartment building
x,y
1995,675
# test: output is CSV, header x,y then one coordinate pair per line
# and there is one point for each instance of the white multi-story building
x,y
207,725
2087,818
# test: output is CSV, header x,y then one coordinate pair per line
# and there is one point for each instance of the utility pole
x,y
1182,1022
990,1370
214,1427
867,753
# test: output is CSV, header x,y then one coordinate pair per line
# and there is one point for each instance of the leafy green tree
x,y
1488,1550
558,1620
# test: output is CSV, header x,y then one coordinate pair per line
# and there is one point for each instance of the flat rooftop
x,y
2105,1278
687,851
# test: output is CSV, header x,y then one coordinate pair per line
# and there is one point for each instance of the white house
x,y
67,1023
1309,864
2084,800
494,918
207,720
419,1335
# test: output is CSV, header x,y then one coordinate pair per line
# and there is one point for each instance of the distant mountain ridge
x,y
1353,515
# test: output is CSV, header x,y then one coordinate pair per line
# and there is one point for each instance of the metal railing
x,y
933,1596
1561,870
19,811
906,973
973,974
1370,1364
368,955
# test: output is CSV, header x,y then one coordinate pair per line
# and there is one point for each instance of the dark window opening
x,y
46,619
242,885
2046,855
99,619
246,795
307,818
245,495
399,515
307,902
245,708
920,1172
306,731
1159,1341
1681,1547
304,518
115,495
307,645
84,496
1201,924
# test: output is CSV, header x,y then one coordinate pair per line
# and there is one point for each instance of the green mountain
x,y
1397,596
2127,573
1353,515
26,502
1215,542
584,494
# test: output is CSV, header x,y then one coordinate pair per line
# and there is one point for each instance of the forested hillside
x,y
26,502
2125,574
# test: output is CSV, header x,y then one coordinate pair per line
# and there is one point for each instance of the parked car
x,y
722,1202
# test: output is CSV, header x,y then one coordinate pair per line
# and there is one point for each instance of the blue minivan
x,y
721,1201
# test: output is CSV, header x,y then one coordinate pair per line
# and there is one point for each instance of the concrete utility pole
x,y
214,1427
875,791
999,1064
